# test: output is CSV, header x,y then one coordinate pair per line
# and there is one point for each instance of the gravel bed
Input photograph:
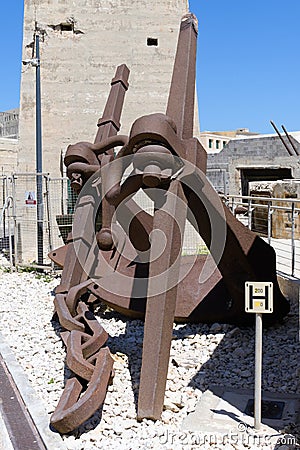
x,y
201,355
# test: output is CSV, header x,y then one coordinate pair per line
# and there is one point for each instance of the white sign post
x,y
258,300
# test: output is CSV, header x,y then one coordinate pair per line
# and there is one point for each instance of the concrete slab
x,y
5,442
32,403
220,412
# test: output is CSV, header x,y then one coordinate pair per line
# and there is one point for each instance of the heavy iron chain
x,y
89,360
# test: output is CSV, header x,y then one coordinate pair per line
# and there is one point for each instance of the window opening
x,y
152,42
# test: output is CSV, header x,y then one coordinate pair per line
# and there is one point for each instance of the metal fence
x,y
276,220
25,234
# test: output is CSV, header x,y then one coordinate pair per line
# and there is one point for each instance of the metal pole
x,y
61,166
39,164
3,201
258,371
293,239
10,244
14,213
281,138
49,215
290,140
250,214
269,223
6,206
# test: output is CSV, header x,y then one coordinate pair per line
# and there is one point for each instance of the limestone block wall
x,y
263,152
8,155
9,124
82,42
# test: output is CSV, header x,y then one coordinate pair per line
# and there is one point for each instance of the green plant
x,y
26,269
46,277
202,249
5,269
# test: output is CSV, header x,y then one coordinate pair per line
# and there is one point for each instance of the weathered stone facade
x,y
261,158
81,43
9,124
8,155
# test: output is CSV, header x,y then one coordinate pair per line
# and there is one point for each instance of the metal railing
x,y
56,219
277,221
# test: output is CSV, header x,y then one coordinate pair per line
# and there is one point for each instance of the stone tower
x,y
81,43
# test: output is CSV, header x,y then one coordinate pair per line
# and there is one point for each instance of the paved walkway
x,y
24,424
18,428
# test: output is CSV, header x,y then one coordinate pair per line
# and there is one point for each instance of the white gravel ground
x,y
201,355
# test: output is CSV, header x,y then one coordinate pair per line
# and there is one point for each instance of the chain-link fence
x,y
36,216
61,199
28,231
6,218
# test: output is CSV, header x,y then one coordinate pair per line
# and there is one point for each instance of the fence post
x,y
270,212
293,239
40,219
250,214
6,207
48,209
4,195
14,213
232,204
10,244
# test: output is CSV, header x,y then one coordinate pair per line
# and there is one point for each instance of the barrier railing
x,y
277,221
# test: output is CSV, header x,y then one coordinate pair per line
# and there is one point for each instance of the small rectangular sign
x,y
258,297
30,199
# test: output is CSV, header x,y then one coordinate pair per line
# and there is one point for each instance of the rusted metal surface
x,y
288,149
74,408
182,91
290,140
86,358
161,299
58,255
84,336
109,123
133,263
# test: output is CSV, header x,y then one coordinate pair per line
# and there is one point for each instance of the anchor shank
x,y
182,91
109,123
165,257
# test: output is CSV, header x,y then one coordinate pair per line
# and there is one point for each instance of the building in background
x,y
9,124
9,130
81,44
8,155
253,158
215,141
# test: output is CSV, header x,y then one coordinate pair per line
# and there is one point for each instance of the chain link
x,y
87,357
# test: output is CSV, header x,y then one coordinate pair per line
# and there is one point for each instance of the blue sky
x,y
247,67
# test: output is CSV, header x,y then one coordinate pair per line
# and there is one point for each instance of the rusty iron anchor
x,y
166,158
